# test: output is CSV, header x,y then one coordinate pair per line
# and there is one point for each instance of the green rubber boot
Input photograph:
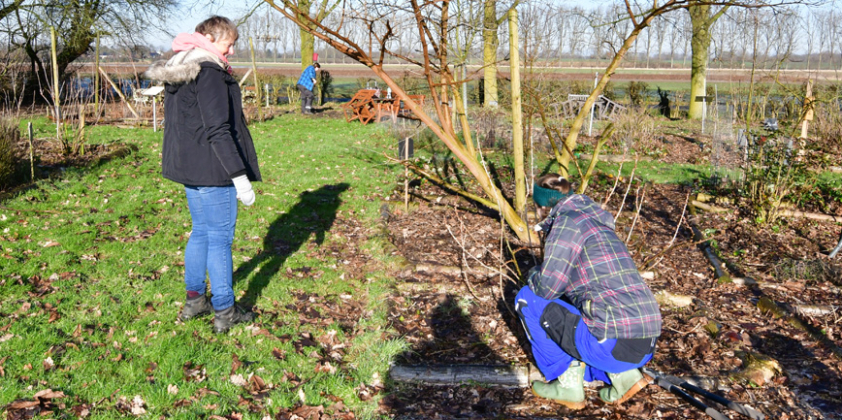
x,y
623,386
567,390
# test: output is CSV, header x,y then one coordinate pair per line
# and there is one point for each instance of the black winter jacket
x,y
206,141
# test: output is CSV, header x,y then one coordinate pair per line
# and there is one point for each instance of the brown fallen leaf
x,y
49,394
22,404
309,412
152,367
235,363
202,392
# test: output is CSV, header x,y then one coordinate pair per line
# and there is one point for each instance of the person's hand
x,y
244,191
314,81
532,274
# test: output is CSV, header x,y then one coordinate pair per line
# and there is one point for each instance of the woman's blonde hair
x,y
219,28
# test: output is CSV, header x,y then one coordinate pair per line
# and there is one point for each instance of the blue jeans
x,y
551,359
208,252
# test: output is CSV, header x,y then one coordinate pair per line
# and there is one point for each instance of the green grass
x,y
91,277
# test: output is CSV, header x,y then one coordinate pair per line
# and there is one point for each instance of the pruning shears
x,y
675,385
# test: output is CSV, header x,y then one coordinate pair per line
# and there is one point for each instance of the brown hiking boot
x,y
227,318
194,307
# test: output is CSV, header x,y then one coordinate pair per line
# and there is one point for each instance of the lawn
x,y
92,271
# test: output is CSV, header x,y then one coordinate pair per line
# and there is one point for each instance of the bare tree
x,y
433,23
77,24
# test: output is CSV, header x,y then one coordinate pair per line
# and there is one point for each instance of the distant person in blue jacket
x,y
306,83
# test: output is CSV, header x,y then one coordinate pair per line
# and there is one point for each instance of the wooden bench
x,y
387,108
360,107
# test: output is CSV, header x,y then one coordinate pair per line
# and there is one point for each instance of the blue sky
x,y
192,12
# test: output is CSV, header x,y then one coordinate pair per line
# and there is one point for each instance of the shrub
x,y
635,133
9,137
827,125
324,85
637,93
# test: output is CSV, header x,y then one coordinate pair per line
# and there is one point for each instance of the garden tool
x,y
674,385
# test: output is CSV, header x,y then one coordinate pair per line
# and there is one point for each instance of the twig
x,y
639,206
673,247
675,235
616,180
623,203
502,232
464,264
445,185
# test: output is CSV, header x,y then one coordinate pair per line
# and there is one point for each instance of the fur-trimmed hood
x,y
182,67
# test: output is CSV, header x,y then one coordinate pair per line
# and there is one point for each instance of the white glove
x,y
314,81
244,191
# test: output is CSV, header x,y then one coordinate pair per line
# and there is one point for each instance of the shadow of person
x,y
510,290
443,334
314,214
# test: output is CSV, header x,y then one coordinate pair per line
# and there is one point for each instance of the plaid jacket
x,y
307,77
587,263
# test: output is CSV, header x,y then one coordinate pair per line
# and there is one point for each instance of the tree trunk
x,y
489,54
517,114
517,224
307,39
701,20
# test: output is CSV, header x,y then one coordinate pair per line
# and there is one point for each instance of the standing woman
x,y
208,148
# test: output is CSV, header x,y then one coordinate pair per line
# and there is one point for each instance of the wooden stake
x,y
31,153
256,82
120,94
56,98
96,77
406,176
80,137
808,109
517,114
243,80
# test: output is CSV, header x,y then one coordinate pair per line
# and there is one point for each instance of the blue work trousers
x,y
551,359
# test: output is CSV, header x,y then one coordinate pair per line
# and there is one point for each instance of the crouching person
x,y
587,312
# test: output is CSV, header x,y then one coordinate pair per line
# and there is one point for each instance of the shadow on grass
x,y
314,213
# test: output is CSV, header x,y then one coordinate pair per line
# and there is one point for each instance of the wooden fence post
x,y
256,82
56,98
31,153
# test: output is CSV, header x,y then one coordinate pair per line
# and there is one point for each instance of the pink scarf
x,y
185,41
